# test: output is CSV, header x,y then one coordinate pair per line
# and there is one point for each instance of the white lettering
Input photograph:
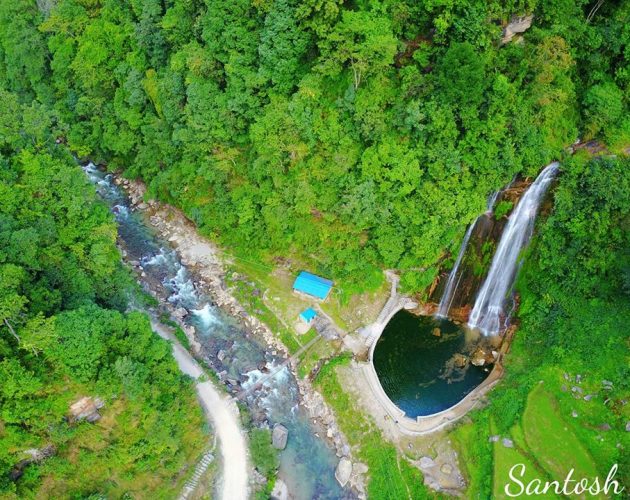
x,y
568,480
610,481
595,488
581,486
532,487
515,480
570,486
556,487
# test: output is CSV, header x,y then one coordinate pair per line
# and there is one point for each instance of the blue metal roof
x,y
312,285
308,314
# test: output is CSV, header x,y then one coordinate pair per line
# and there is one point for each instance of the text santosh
x,y
569,486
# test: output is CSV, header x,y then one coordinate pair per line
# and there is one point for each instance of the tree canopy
x,y
278,125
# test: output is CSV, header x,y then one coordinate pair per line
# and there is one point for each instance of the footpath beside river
x,y
222,414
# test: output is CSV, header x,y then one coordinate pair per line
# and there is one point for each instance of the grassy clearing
x,y
391,476
505,458
320,350
358,309
348,312
250,294
550,439
470,440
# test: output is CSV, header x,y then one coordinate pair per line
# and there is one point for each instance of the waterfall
x,y
491,201
488,309
452,283
453,278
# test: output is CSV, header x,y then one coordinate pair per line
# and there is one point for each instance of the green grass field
x,y
505,459
551,440
545,443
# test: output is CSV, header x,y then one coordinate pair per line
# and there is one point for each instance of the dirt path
x,y
222,414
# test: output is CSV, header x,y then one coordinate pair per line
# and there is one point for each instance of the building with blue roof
x,y
308,315
312,285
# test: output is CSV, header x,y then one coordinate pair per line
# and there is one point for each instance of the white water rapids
x,y
488,311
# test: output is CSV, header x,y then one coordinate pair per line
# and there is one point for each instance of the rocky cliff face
x,y
517,25
86,409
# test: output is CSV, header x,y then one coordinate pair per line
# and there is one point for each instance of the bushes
x,y
264,455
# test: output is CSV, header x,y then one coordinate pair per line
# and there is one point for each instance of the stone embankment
x,y
205,262
395,303
431,423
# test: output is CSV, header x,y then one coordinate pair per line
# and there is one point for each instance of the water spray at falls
x,y
488,311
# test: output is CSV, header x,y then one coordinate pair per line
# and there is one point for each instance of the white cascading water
x,y
452,282
454,277
488,310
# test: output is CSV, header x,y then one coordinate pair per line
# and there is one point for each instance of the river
x,y
307,464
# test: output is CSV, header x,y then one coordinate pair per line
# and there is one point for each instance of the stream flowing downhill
x,y
455,276
488,312
307,464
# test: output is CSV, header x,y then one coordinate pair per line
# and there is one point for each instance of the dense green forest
x,y
353,135
64,335
347,136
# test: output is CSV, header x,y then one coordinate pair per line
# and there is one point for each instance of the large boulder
x,y
343,471
279,437
459,360
180,313
36,455
86,409
483,357
517,25
280,491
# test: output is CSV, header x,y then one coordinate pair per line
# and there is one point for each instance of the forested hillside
x,y
64,336
356,135
349,137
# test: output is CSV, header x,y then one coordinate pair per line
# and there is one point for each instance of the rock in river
x,y
481,357
279,436
280,491
343,471
460,360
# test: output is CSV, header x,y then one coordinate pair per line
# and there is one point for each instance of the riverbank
x,y
206,263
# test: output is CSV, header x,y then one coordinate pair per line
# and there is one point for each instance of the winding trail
x,y
222,413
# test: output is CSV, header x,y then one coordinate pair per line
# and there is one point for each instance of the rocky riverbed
x,y
205,262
